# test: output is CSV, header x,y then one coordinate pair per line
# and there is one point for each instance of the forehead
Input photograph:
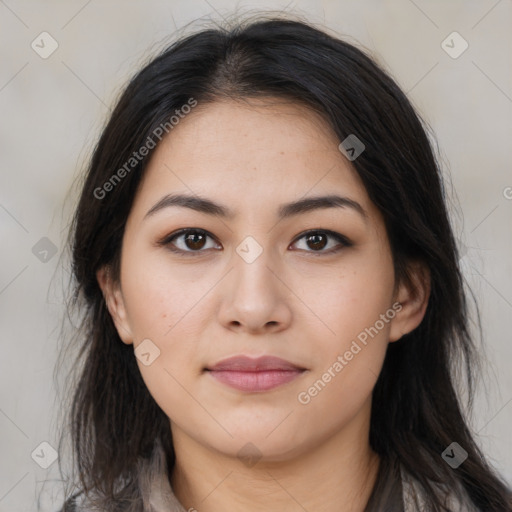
x,y
246,153
243,129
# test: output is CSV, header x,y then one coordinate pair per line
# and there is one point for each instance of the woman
x,y
273,309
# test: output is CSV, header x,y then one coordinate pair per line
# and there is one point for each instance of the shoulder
x,y
456,500
150,491
79,503
70,505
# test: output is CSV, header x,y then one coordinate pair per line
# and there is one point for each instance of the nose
x,y
255,298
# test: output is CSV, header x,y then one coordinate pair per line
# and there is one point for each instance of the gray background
x,y
53,110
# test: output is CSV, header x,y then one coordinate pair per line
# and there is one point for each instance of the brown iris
x,y
317,243
195,240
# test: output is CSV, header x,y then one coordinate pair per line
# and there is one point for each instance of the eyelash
x,y
167,241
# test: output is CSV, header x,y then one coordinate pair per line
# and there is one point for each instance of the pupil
x,y
193,244
316,237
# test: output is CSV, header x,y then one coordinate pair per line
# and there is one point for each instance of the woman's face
x,y
254,283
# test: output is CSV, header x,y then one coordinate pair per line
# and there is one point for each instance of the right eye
x,y
190,240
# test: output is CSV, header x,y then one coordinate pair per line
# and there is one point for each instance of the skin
x,y
295,301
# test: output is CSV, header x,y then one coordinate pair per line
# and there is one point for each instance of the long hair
x,y
416,412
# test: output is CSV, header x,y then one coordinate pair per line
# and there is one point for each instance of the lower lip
x,y
255,381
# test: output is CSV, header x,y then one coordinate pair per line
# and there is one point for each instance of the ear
x,y
413,295
115,303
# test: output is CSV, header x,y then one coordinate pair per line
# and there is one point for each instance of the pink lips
x,y
260,374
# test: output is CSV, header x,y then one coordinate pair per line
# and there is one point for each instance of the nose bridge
x,y
257,297
253,262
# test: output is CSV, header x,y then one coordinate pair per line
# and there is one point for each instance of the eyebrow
x,y
205,205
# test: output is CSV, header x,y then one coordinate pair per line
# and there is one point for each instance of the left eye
x,y
318,240
194,241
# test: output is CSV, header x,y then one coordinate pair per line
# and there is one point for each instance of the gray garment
x,y
157,495
414,500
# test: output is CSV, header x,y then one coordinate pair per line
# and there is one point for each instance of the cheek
x,y
356,314
167,305
349,298
347,364
160,298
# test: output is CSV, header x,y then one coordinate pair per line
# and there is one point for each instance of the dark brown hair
x,y
416,412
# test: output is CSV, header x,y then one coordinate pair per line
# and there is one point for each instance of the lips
x,y
253,375
247,364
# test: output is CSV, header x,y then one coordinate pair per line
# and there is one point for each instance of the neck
x,y
337,475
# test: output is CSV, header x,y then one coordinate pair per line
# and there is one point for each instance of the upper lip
x,y
248,364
